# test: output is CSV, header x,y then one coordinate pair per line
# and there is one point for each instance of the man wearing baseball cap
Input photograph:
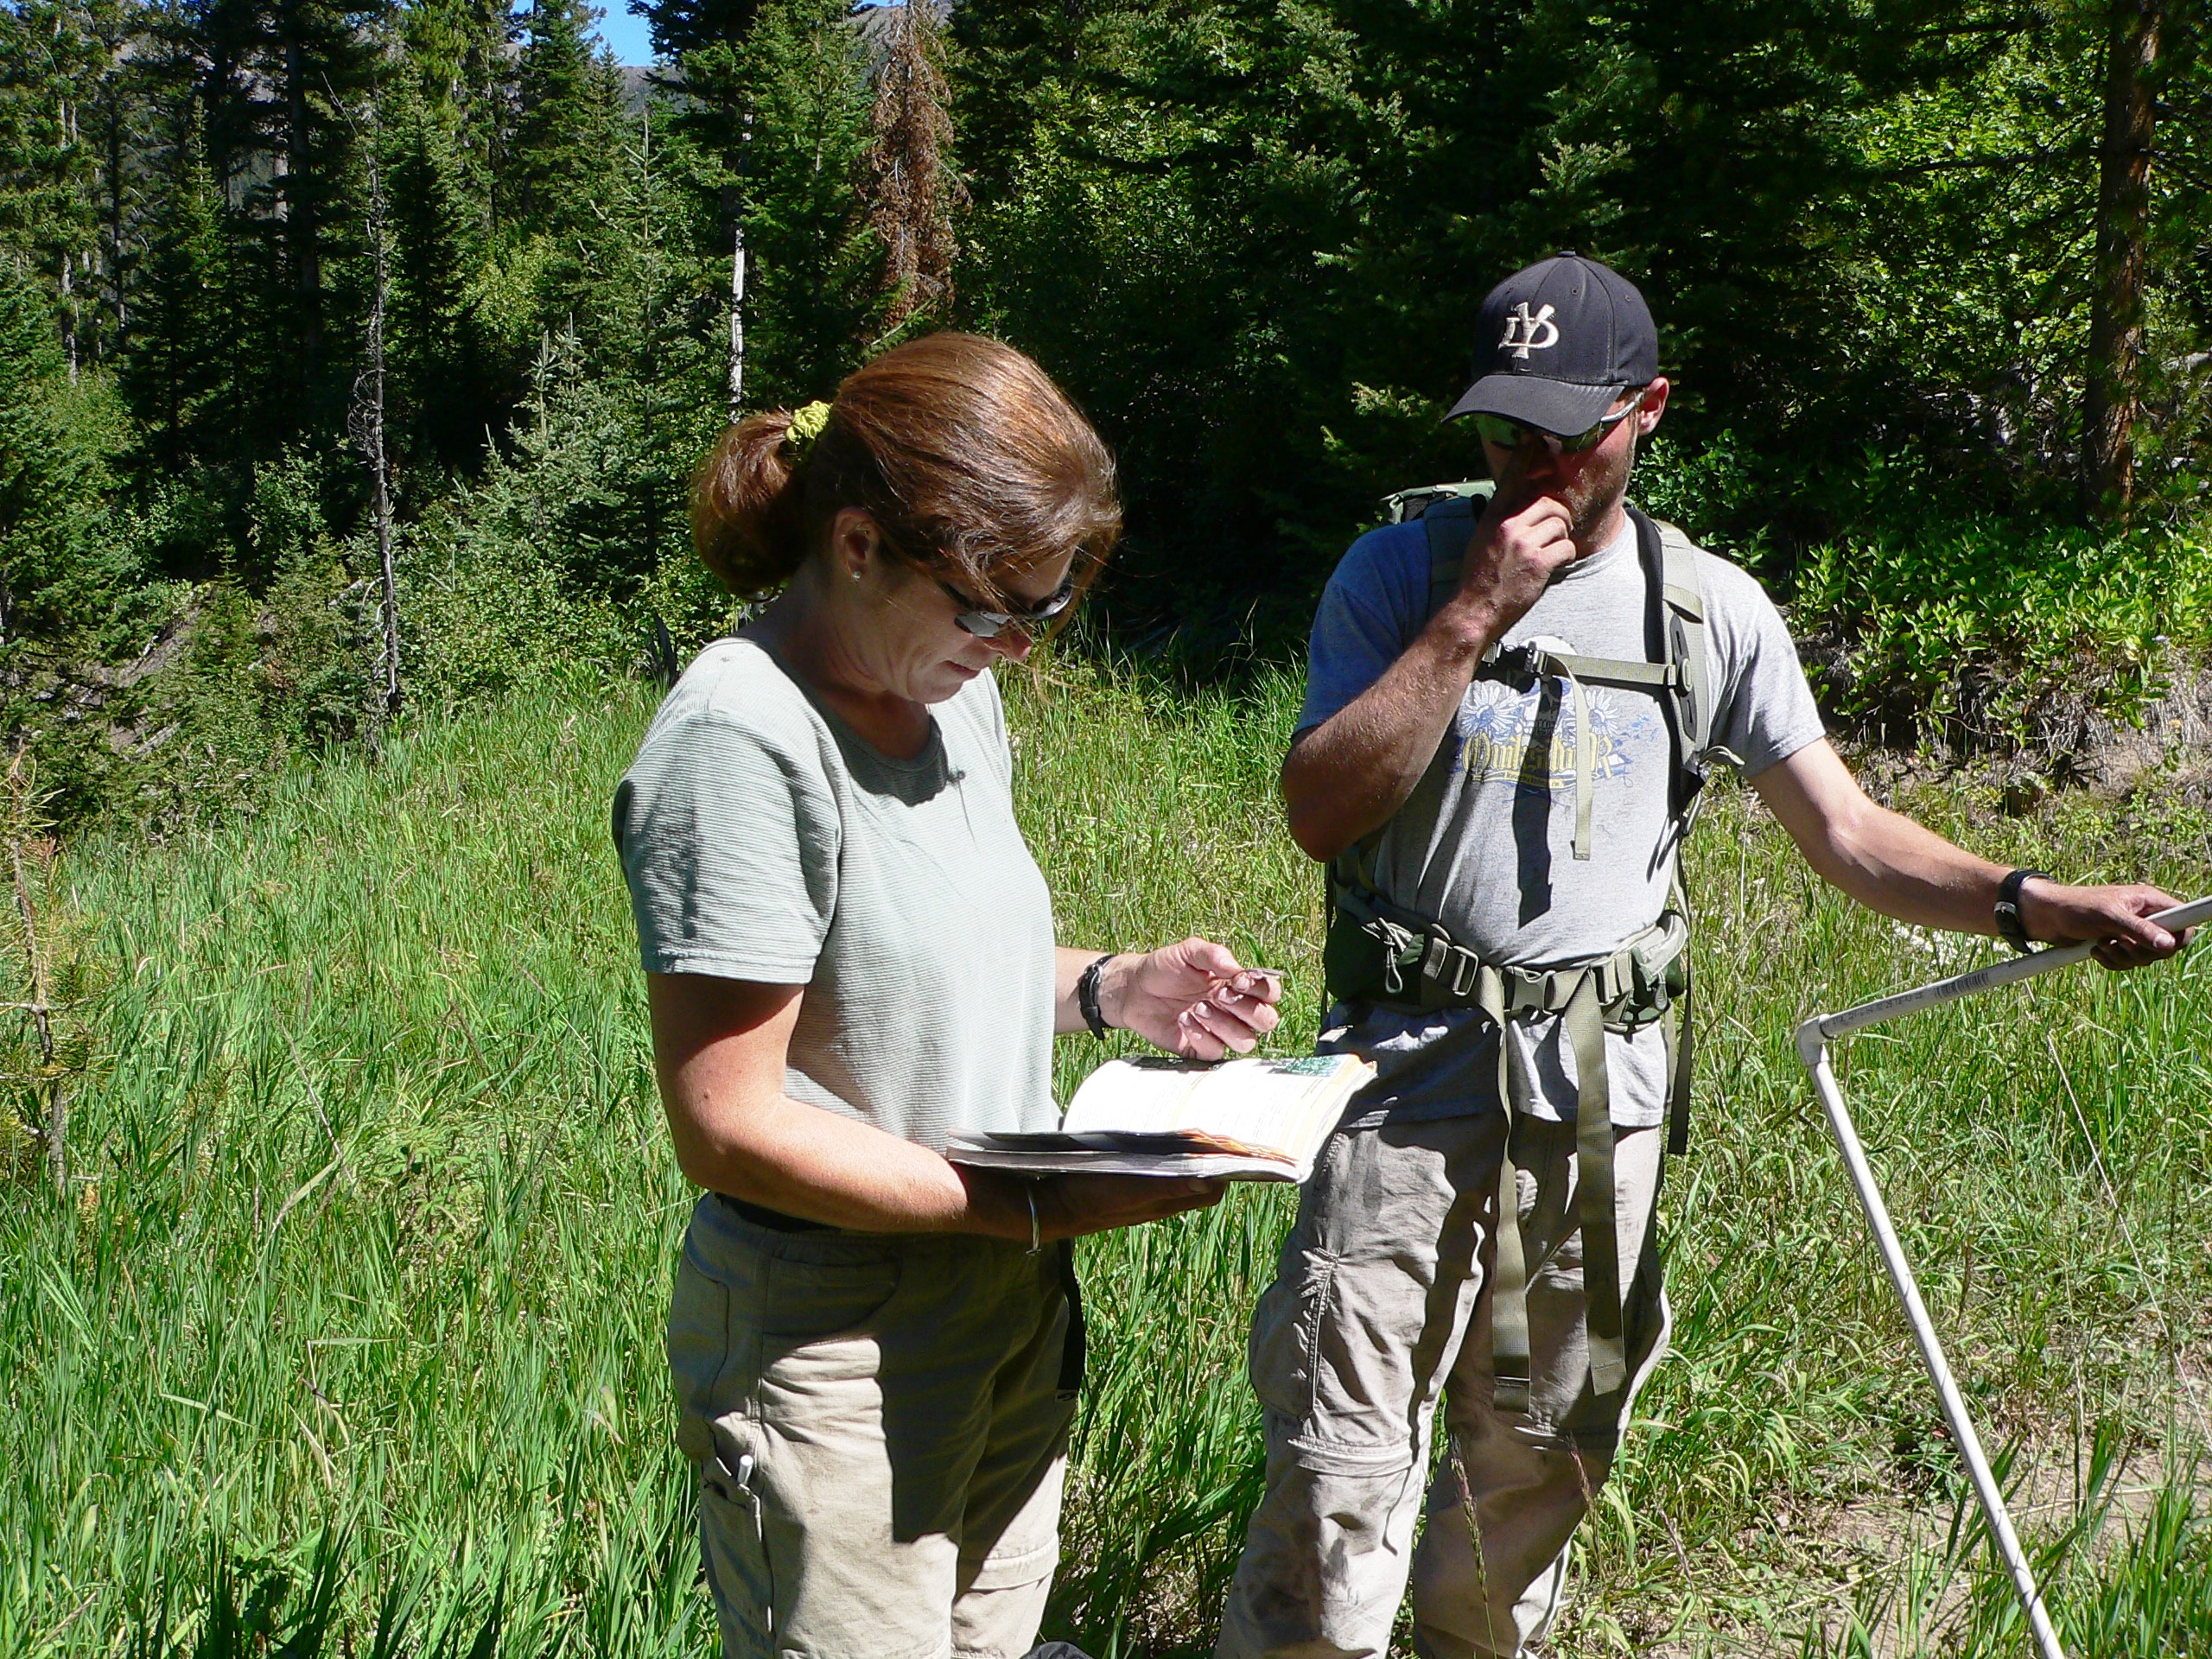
x,y
1508,709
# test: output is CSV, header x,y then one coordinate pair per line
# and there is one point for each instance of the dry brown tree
x,y
911,189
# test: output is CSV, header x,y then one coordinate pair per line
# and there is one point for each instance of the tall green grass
x,y
346,1337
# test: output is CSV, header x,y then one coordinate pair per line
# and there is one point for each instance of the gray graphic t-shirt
x,y
1499,869
762,839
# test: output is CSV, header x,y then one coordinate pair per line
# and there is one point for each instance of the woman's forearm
x,y
818,1165
719,1047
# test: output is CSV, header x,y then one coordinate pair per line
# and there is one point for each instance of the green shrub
x,y
1927,621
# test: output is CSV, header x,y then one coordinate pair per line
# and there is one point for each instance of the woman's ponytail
x,y
748,505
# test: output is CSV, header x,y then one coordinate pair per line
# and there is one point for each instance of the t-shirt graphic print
x,y
1486,843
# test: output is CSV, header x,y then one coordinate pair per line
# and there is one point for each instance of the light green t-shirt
x,y
763,840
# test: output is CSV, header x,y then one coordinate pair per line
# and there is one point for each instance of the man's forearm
x,y
1349,775
1891,864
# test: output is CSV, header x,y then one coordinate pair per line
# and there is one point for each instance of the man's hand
x,y
2113,917
1191,998
1889,863
1523,538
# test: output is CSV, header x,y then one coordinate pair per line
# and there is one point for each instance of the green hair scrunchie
x,y
806,426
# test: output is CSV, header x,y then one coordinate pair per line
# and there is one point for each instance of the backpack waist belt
x,y
1421,969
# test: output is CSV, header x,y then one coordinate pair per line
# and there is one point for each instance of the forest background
x,y
355,356
352,362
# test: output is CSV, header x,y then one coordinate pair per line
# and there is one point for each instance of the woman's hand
x,y
1191,998
1069,1206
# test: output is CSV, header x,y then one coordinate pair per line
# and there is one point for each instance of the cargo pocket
x,y
732,1548
712,1354
1287,1336
819,1324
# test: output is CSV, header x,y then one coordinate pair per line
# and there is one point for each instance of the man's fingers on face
x,y
1539,509
1511,475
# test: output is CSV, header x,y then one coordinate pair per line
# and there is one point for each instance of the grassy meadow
x,y
346,1336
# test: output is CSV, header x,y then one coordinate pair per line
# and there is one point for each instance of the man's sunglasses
x,y
989,625
1511,435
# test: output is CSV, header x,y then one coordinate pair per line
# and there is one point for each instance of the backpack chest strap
x,y
1522,665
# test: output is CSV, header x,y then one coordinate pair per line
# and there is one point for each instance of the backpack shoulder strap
x,y
1682,564
1448,514
1674,566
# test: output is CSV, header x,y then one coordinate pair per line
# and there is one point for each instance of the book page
x,y
1260,1102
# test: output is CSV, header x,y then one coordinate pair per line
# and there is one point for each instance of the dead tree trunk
x,y
737,316
2113,380
69,317
367,422
24,825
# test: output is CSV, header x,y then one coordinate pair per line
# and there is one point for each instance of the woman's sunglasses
x,y
1511,435
971,617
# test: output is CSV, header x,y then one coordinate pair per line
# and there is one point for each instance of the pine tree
x,y
276,78
182,378
52,60
815,288
59,571
658,377
568,126
682,28
443,378
458,57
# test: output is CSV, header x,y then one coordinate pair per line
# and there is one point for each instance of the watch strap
x,y
2010,924
1086,994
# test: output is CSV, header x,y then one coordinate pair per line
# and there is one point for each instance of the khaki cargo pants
x,y
1380,1307
880,1432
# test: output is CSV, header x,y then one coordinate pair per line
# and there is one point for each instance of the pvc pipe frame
x,y
1813,1038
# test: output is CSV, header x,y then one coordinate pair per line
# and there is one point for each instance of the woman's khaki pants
x,y
1380,1307
880,1426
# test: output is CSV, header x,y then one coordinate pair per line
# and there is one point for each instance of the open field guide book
x,y
1247,1120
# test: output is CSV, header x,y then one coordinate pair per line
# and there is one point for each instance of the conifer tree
x,y
57,571
815,288
441,360
568,125
276,78
458,58
51,61
182,378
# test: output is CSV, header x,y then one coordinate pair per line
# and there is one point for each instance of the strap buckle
x,y
1519,666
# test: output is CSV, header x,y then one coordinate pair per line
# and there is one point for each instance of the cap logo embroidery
x,y
1525,333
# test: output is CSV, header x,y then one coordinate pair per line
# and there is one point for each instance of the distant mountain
x,y
637,85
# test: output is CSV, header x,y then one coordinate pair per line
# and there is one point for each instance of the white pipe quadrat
x,y
1812,1040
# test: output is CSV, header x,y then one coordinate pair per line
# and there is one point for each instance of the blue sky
x,y
632,41
628,36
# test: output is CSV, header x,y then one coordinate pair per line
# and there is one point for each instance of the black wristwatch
x,y
2009,923
1086,994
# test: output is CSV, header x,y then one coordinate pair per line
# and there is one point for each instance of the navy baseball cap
x,y
1555,343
